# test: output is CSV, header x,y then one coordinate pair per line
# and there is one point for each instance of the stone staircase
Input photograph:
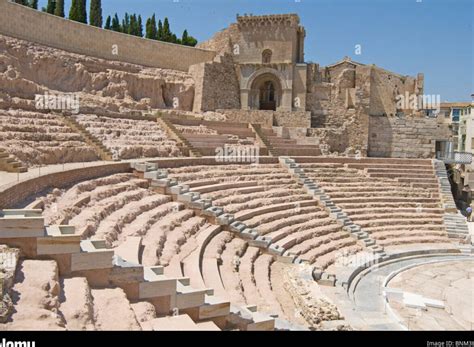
x,y
103,152
160,182
313,189
215,214
176,135
9,163
444,186
62,248
257,129
456,226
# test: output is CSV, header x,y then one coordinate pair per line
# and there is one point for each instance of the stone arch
x,y
265,92
253,84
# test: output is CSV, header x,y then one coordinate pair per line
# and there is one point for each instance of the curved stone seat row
x,y
35,138
103,268
392,211
130,138
237,222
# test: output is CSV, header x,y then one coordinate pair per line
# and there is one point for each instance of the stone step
x,y
369,242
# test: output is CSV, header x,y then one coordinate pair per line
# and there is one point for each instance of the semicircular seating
x,y
397,204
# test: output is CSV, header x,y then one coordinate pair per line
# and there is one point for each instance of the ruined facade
x,y
349,106
253,71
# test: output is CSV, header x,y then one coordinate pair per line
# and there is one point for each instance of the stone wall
x,y
22,22
267,119
407,137
28,68
264,118
331,93
296,119
339,102
386,86
216,85
18,194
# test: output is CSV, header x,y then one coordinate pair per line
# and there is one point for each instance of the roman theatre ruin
x,y
120,217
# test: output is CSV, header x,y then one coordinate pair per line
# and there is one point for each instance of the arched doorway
x,y
265,93
267,96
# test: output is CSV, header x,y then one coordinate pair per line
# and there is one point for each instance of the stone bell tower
x,y
270,62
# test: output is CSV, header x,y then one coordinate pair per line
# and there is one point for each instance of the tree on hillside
x,y
184,37
131,24
96,13
78,11
132,28
22,2
59,8
82,11
33,4
116,23
140,26
167,35
148,29
174,39
108,23
126,23
188,40
151,32
159,34
73,14
51,6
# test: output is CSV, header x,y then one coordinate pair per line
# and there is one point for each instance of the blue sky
x,y
405,36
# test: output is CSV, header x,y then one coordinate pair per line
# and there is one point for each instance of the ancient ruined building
x,y
261,66
165,233
253,71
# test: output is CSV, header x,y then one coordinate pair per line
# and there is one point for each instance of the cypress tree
x,y
167,37
126,23
73,14
59,9
51,6
82,11
96,13
108,24
148,29
151,32
184,38
140,26
132,29
159,35
116,23
33,4
154,32
78,11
